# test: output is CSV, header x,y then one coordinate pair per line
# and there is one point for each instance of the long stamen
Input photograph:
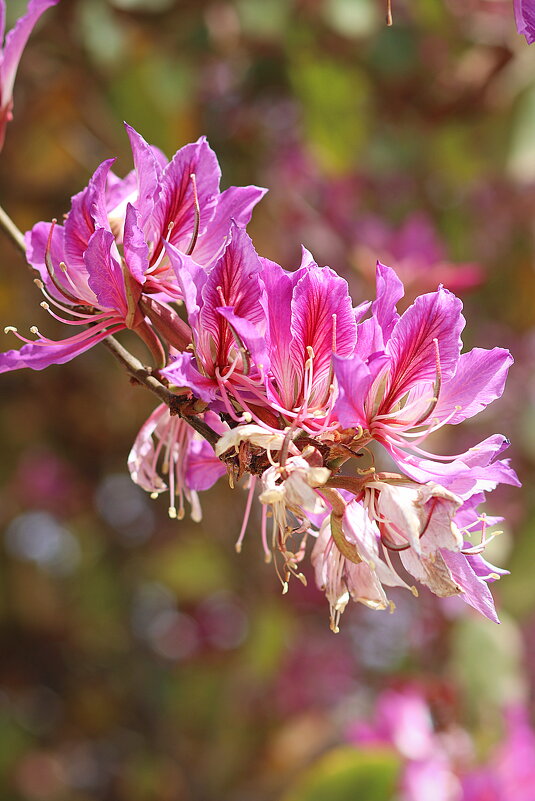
x,y
250,497
195,234
50,268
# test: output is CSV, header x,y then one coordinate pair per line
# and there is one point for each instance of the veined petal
x,y
279,286
136,251
176,203
88,210
182,372
37,244
322,324
15,43
235,203
148,172
104,271
475,591
247,333
355,379
234,281
389,291
435,316
479,379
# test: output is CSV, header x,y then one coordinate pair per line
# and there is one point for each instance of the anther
x,y
10,329
34,330
247,417
44,305
63,266
154,495
172,512
38,283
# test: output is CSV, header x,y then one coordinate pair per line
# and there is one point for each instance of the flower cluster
x,y
290,384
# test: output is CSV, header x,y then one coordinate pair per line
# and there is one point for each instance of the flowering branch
x,y
142,374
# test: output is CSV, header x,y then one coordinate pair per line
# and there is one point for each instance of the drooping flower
x,y
168,456
525,19
11,53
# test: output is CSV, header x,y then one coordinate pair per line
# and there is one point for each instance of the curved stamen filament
x,y
195,233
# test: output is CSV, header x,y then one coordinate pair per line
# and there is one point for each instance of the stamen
x,y
334,333
437,387
50,267
195,234
246,515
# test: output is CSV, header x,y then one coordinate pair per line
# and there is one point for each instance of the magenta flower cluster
x,y
304,394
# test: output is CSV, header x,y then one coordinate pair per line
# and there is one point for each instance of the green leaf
x,y
347,774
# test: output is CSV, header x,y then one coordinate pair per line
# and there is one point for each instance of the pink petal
x,y
236,203
433,316
105,274
323,320
15,43
88,210
479,379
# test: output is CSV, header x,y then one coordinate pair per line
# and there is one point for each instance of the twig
x,y
144,376
133,366
12,231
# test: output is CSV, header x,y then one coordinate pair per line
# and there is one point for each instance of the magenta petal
x,y
479,379
474,590
88,210
322,324
203,468
182,372
105,274
436,315
248,334
41,354
15,43
279,286
355,378
236,203
148,173
136,251
525,19
389,291
191,279
234,281
176,201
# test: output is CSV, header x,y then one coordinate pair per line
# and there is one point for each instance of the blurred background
x,y
142,659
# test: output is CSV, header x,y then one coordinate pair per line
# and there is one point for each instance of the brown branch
x,y
133,366
14,233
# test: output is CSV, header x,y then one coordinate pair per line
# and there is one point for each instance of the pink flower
x,y
106,267
407,378
168,455
15,43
